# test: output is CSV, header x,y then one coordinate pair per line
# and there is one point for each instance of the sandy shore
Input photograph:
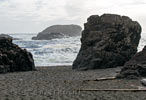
x,y
61,83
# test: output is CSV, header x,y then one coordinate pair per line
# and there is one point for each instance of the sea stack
x,y
13,58
107,41
59,31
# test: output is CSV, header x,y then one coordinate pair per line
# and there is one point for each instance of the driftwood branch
x,y
102,79
119,90
98,79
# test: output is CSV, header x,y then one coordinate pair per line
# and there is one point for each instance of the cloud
x,y
84,8
35,15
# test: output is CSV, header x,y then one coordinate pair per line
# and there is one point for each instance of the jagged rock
x,y
135,67
13,58
107,41
58,31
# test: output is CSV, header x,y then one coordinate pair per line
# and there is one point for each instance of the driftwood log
x,y
119,90
102,79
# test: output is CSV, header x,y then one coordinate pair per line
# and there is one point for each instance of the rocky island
x,y
58,31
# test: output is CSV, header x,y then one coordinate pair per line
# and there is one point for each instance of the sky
x,y
33,16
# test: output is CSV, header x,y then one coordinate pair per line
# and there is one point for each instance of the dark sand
x,y
61,83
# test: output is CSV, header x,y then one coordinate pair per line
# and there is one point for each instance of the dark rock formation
x,y
8,36
13,58
58,31
135,67
48,36
107,41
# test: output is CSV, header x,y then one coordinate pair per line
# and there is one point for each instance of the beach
x,y
63,83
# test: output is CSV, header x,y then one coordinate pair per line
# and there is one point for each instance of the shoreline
x,y
54,66
61,83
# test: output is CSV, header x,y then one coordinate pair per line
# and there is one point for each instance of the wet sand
x,y
62,83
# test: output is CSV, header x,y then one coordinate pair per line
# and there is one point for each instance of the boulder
x,y
58,31
143,82
13,58
135,67
107,41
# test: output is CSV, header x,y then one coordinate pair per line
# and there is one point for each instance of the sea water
x,y
49,52
53,52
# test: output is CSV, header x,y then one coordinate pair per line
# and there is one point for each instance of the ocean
x,y
53,52
49,52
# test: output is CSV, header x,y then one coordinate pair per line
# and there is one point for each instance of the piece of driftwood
x,y
119,90
98,79
102,79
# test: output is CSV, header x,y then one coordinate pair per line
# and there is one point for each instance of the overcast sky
x,y
35,15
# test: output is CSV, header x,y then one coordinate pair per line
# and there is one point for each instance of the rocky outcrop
x,y
13,58
107,41
135,67
58,31
8,36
